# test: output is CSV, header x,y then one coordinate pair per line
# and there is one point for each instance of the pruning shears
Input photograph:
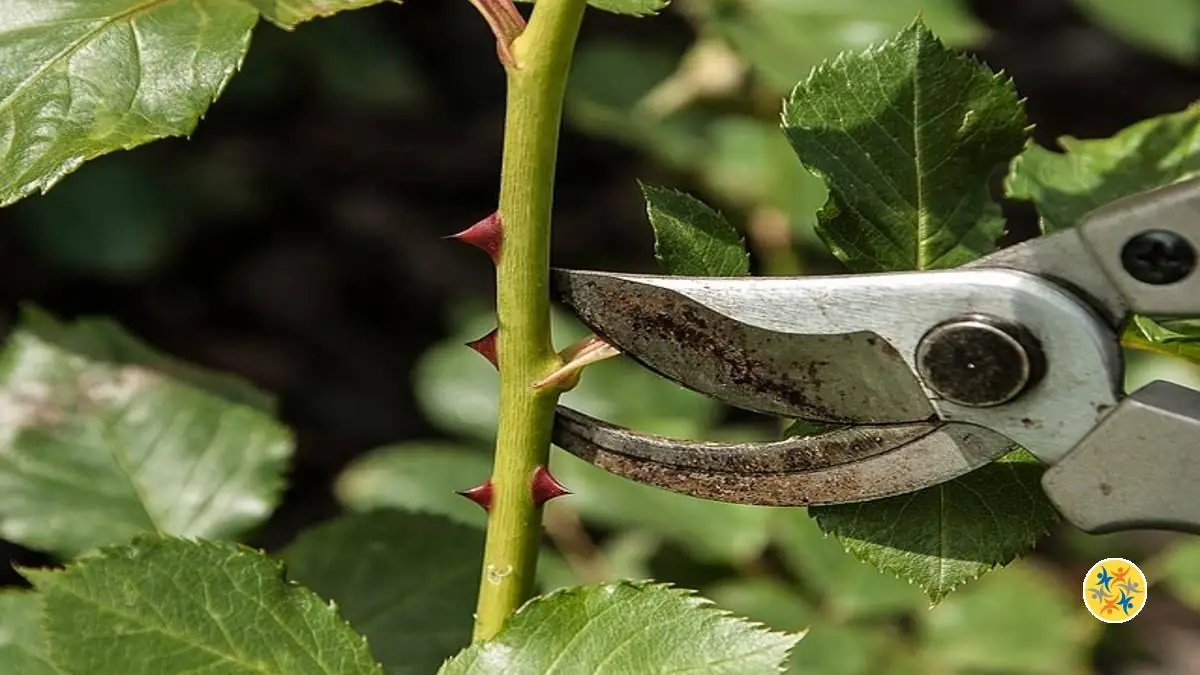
x,y
920,377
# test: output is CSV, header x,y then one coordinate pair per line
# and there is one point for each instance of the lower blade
x,y
814,471
843,378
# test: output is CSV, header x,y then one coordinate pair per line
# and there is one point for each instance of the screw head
x,y
979,362
1158,257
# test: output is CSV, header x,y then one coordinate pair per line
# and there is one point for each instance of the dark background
x,y
297,238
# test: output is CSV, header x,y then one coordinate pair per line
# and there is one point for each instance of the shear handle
x,y
1138,469
1148,245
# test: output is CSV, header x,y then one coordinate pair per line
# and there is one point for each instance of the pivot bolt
x,y
979,361
1158,257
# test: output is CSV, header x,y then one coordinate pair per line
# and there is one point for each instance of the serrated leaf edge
x,y
691,596
103,553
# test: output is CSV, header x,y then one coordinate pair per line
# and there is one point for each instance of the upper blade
x,y
853,376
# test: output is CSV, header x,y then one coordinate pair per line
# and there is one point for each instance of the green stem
x,y
536,86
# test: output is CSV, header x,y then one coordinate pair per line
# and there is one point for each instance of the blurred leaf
x,y
100,338
405,581
905,137
850,588
784,39
765,600
690,238
93,451
1177,569
626,555
711,531
751,162
417,476
290,13
1168,27
84,79
1019,620
629,7
1171,338
164,605
116,217
837,649
1091,173
944,536
361,65
603,104
625,627
22,641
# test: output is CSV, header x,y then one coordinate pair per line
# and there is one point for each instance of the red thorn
x,y
485,235
545,487
486,346
480,494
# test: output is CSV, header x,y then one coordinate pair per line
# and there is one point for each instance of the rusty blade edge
x,y
933,457
573,429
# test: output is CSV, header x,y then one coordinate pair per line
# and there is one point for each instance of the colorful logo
x,y
1114,590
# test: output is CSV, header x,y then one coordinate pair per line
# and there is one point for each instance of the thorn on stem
x,y
480,494
486,346
545,487
484,235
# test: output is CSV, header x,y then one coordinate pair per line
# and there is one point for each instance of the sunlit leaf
x,y
405,581
97,444
164,605
944,536
1090,173
625,627
22,640
81,79
692,239
906,136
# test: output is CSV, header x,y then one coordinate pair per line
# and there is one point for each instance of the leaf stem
x,y
537,81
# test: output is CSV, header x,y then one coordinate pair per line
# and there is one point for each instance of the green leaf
x,y
291,13
81,79
1090,173
905,136
784,40
94,451
944,536
165,605
691,239
625,627
22,641
421,477
405,581
849,587
1172,338
1020,620
628,7
1168,27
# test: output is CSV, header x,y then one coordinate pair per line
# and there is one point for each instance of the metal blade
x,y
832,468
840,377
